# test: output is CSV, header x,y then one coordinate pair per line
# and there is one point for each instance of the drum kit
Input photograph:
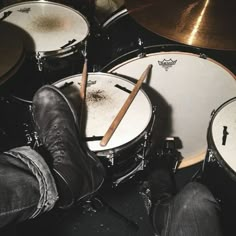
x,y
45,42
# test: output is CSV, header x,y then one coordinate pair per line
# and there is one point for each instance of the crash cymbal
x,y
11,51
202,23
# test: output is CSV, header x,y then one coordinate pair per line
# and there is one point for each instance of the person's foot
x,y
78,173
158,189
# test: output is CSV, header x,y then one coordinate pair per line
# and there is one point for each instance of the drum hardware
x,y
170,153
39,61
140,48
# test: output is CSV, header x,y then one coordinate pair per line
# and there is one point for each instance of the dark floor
x,y
116,211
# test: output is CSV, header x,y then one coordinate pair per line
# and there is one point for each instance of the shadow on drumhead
x,y
162,127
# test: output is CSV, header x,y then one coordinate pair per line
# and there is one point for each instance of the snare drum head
x,y
186,89
50,25
223,133
105,96
11,52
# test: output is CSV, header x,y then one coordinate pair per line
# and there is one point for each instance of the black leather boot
x,y
77,171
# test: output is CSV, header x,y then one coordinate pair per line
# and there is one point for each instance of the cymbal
x,y
201,23
11,51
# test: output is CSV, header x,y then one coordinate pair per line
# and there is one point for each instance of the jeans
x,y
192,212
27,187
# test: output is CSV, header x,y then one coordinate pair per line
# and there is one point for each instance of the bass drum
x,y
126,152
185,86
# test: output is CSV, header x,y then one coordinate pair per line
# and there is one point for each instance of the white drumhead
x,y
188,88
105,95
225,116
11,52
49,25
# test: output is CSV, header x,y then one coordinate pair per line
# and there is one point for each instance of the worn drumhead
x,y
106,94
50,25
11,52
186,88
223,132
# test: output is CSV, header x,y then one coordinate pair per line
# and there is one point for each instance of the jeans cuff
x,y
47,185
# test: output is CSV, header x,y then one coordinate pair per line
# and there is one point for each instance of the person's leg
x,y
193,211
27,187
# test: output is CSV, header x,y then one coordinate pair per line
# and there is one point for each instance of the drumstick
x,y
83,84
83,90
124,108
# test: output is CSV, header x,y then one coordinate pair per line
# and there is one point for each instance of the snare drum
x,y
125,153
185,87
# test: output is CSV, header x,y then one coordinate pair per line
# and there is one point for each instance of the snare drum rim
x,y
58,53
212,147
151,115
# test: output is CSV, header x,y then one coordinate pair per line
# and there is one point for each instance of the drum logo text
x,y
166,64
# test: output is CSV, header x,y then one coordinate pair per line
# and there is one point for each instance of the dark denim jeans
x,y
192,212
27,187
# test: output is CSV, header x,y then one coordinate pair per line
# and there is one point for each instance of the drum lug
x,y
211,156
141,53
203,56
109,156
213,113
39,61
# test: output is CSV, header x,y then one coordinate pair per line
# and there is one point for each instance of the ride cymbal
x,y
201,23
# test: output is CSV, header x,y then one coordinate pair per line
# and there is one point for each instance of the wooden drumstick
x,y
124,108
83,90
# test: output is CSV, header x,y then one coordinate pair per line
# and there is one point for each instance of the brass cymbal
x,y
201,23
11,51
